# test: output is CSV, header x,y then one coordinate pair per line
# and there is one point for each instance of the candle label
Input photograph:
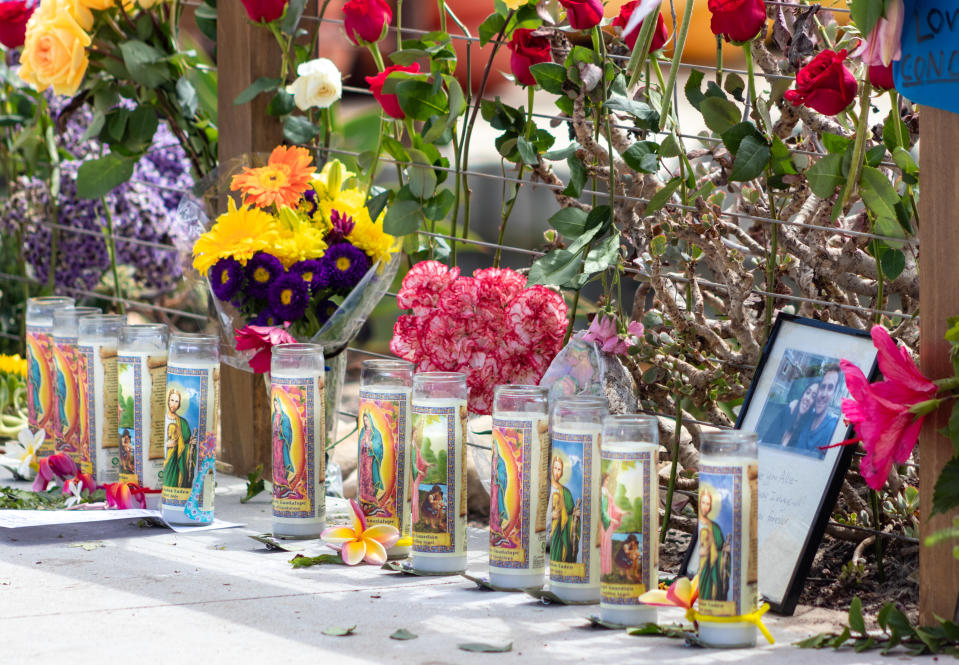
x,y
41,386
199,505
626,514
99,445
517,535
141,393
66,372
382,473
295,465
727,542
570,507
190,397
438,523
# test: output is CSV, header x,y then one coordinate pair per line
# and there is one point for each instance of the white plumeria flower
x,y
76,495
31,446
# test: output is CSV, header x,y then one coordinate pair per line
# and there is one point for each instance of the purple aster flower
x,y
346,265
226,278
342,226
261,271
309,271
325,309
266,318
288,296
310,197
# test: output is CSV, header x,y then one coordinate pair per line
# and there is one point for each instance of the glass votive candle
x,y
628,518
439,472
518,488
141,402
97,336
384,424
575,428
728,564
69,378
41,381
299,446
190,428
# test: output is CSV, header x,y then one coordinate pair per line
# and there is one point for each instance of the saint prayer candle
x,y
97,344
41,380
69,380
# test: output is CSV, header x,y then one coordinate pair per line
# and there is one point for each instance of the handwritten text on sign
x,y
928,72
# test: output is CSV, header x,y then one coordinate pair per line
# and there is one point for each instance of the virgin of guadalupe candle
x,y
69,381
628,518
190,427
97,345
728,483
438,490
574,564
141,402
41,381
299,448
519,488
384,425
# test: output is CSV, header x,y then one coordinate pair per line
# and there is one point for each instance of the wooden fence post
x,y
939,299
244,53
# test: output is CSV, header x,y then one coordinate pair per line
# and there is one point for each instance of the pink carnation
x,y
406,338
423,284
261,339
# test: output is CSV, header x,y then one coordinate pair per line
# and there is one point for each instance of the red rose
x,y
366,20
880,76
824,85
583,14
528,50
13,22
390,103
660,35
264,10
737,20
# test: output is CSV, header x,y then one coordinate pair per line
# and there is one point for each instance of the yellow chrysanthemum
x,y
305,243
369,236
13,365
239,233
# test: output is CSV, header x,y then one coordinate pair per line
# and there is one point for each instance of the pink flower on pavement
x,y
261,339
603,331
882,411
360,542
57,465
123,496
83,480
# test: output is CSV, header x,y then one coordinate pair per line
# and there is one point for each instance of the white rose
x,y
318,84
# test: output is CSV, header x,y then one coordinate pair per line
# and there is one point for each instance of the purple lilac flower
x,y
288,297
309,271
266,318
261,271
342,226
346,265
324,310
226,278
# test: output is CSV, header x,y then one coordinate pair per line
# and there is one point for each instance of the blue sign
x,y
928,72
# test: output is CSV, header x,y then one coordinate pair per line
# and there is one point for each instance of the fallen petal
x,y
353,552
385,534
375,553
338,535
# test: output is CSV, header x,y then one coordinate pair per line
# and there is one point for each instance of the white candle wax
x,y
100,454
574,565
385,425
519,495
733,479
628,530
141,382
299,453
438,489
190,430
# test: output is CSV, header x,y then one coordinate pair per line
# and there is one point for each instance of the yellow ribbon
x,y
755,617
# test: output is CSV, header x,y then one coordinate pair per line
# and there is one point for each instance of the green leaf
x,y
299,130
555,268
945,495
694,88
281,104
889,135
751,159
577,177
294,11
206,21
856,622
648,117
734,85
835,144
641,156
420,101
422,177
141,127
661,198
490,28
376,204
669,147
403,634
301,561
527,151
337,631
658,245
440,205
880,197
187,97
570,222
825,176
866,13
144,63
95,127
482,647
395,149
403,217
719,114
96,177
562,153
893,262
734,136
261,85
603,255
550,76
875,154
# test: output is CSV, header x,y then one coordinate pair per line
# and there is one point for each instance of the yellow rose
x,y
54,53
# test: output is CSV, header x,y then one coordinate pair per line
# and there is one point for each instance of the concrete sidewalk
x,y
114,590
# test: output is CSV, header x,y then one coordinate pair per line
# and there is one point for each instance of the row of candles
x,y
135,404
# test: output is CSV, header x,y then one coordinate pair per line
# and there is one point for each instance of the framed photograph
x,y
793,405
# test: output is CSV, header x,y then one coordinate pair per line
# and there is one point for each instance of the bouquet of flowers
x,y
489,326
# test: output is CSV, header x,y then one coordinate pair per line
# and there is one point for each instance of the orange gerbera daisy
x,y
282,181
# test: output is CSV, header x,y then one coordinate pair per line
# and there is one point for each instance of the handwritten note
x,y
928,72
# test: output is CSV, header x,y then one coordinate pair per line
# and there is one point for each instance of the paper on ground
x,y
15,519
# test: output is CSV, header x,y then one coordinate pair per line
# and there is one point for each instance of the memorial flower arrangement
x,y
490,326
291,249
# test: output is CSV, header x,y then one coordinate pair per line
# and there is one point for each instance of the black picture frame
x,y
786,602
